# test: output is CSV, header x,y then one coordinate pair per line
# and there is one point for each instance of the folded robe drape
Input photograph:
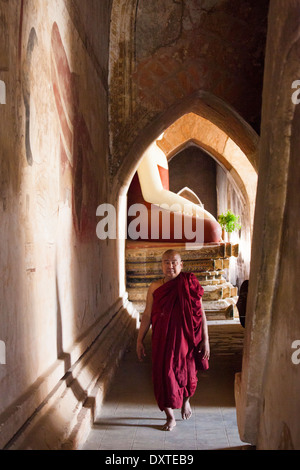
x,y
176,331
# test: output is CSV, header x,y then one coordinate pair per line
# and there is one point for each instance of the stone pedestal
x,y
208,262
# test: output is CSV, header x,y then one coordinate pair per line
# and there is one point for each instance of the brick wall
x,y
218,49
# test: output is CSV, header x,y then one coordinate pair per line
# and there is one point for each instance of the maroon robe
x,y
176,331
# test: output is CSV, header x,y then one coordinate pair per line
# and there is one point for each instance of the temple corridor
x,y
116,115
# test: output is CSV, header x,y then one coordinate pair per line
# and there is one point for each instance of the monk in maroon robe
x,y
179,336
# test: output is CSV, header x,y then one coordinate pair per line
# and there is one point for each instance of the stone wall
x,y
162,52
58,290
268,388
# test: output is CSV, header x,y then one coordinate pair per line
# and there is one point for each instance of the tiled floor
x,y
131,420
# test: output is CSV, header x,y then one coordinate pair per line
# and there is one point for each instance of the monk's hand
x,y
204,348
140,350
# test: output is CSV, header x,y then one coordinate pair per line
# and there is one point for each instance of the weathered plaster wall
x,y
163,52
268,388
57,278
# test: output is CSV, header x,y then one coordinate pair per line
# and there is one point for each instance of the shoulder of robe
x,y
154,285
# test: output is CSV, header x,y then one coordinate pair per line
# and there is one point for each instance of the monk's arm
x,y
145,325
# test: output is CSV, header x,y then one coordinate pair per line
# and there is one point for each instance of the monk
x,y
179,333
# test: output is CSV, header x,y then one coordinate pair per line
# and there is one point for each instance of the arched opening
x,y
155,83
234,152
194,129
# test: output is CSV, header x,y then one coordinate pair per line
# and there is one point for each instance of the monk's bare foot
x,y
169,425
186,410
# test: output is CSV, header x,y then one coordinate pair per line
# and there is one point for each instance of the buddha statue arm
x,y
153,190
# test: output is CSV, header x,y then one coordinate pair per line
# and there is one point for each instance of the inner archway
x,y
200,105
192,128
236,180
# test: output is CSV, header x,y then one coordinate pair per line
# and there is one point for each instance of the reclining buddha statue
x,y
164,215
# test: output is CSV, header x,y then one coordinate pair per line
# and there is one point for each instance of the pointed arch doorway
x,y
214,127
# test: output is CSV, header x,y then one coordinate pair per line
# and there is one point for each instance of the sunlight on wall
x,y
245,170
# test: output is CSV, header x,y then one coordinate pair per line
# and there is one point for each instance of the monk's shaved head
x,y
171,253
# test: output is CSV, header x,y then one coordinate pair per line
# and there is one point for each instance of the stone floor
x,y
130,419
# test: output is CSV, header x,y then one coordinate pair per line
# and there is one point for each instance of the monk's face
x,y
171,266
